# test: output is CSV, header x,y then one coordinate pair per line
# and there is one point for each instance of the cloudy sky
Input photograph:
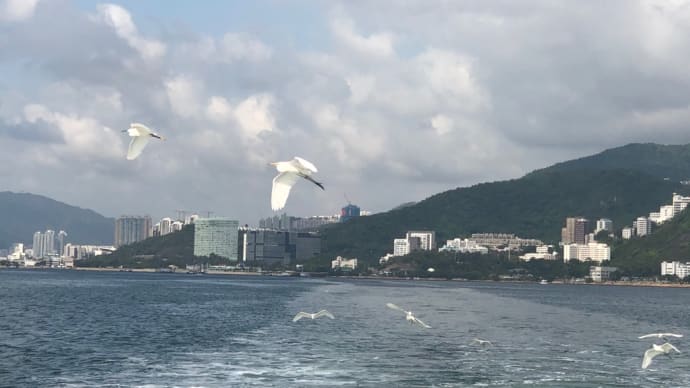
x,y
392,100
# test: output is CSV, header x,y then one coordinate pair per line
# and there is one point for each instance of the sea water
x,y
111,329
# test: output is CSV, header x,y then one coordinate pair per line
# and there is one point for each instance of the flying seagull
x,y
322,313
409,317
290,172
481,342
660,335
656,350
141,134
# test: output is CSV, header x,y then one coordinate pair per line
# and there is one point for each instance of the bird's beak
x,y
272,163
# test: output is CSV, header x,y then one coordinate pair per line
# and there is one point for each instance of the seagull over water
x,y
322,313
481,342
290,172
664,336
141,134
409,317
656,350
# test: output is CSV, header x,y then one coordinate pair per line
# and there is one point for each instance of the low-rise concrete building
x,y
344,264
598,252
675,268
627,233
601,274
464,246
542,253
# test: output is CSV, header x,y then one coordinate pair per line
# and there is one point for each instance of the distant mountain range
x,y
24,213
621,184
661,161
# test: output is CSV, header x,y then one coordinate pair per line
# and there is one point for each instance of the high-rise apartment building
x,y
568,232
216,236
643,226
575,231
581,230
61,241
348,212
37,246
166,226
43,244
130,229
48,243
604,224
401,247
427,239
679,203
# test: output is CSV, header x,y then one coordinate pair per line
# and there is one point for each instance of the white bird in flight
x,y
480,342
660,335
290,172
322,313
656,350
141,134
409,317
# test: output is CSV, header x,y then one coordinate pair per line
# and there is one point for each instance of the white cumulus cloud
x,y
17,10
120,20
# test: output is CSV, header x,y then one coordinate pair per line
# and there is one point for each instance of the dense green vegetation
x,y
155,252
642,256
25,214
663,161
534,206
492,266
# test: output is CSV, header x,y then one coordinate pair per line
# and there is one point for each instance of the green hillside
x,y
663,161
620,183
174,248
23,214
534,206
643,255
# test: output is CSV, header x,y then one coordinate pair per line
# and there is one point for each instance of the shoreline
x,y
387,278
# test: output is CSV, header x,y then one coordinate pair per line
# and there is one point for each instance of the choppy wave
x,y
79,330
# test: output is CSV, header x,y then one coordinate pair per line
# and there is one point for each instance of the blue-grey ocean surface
x,y
77,328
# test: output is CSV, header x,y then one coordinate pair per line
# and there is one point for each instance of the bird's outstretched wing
x,y
282,184
136,146
668,347
300,315
303,163
481,342
653,335
324,313
671,335
394,307
648,356
419,322
141,128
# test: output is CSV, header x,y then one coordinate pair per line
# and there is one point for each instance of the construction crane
x,y
181,214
